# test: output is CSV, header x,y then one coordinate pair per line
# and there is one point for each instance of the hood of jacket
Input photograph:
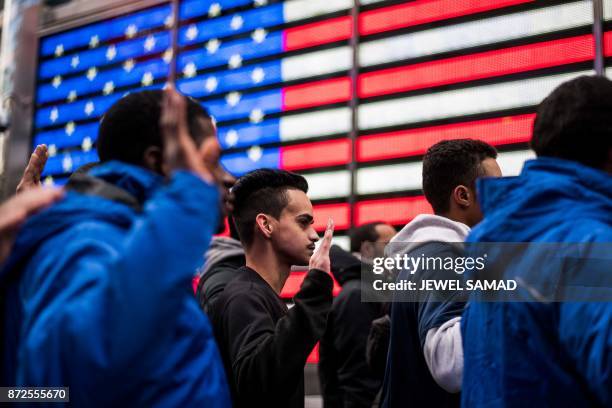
x,y
426,228
220,249
91,202
344,265
552,200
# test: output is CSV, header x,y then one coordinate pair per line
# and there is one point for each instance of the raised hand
x,y
180,151
320,259
18,208
34,169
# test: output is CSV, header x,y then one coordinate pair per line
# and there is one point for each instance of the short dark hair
x,y
131,125
262,191
574,122
450,163
366,232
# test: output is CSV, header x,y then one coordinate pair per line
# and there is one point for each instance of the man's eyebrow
x,y
305,217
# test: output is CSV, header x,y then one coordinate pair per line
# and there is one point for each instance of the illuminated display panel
x,y
83,71
276,75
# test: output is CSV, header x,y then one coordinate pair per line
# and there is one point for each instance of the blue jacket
x,y
541,354
98,296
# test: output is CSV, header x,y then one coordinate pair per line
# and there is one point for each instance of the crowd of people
x,y
96,277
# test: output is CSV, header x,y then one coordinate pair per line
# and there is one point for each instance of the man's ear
x,y
264,225
209,151
462,196
153,160
367,249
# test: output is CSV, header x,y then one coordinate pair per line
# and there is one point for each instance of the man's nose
x,y
314,237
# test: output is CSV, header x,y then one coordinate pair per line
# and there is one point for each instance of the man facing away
x,y
346,378
548,353
425,359
96,291
265,346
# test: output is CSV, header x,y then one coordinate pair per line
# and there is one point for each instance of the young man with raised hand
x,y
425,359
263,344
97,289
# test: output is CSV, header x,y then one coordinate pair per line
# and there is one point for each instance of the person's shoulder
x,y
240,299
241,289
577,230
588,230
349,292
349,302
438,248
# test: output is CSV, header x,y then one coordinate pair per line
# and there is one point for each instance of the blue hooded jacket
x,y
541,353
98,296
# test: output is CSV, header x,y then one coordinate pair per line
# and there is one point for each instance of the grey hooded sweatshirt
x,y
428,328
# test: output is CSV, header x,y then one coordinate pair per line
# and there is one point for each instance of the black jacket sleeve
x,y
378,345
268,359
352,319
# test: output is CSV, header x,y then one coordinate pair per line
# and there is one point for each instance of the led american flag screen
x,y
349,95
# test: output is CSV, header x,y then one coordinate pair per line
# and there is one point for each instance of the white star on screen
x,y
70,128
169,21
131,31
190,70
231,138
53,115
111,53
94,41
52,150
233,98
86,144
149,43
67,163
72,95
57,81
89,108
214,10
237,22
75,61
192,32
255,153
59,50
212,46
259,3
259,35
92,73
235,61
147,79
167,57
258,75
256,115
128,65
211,84
109,88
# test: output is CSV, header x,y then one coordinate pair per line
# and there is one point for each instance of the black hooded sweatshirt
x,y
346,379
223,258
264,345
